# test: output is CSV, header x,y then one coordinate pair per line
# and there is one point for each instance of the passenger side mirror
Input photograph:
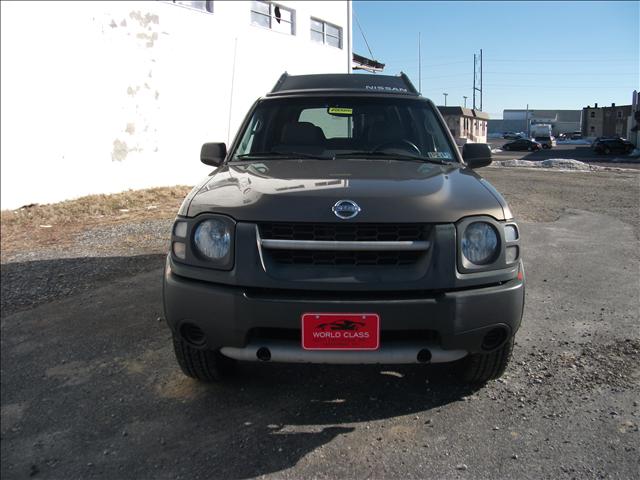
x,y
213,154
476,155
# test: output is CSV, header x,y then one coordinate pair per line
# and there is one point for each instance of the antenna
x,y
419,65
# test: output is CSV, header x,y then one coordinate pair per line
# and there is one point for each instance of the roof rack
x,y
343,82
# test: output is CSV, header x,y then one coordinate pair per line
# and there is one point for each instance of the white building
x,y
467,125
100,97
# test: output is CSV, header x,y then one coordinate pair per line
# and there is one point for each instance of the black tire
x,y
546,147
530,149
506,147
607,151
482,367
203,365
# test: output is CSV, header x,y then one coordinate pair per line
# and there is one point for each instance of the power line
x,y
561,73
363,36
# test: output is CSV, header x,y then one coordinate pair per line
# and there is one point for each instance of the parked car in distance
x,y
614,145
576,136
522,144
546,142
599,139
511,136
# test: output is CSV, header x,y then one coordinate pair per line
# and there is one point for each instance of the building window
x,y
204,6
323,32
619,114
592,128
592,114
275,17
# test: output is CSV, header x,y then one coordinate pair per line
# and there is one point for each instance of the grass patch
x,y
44,225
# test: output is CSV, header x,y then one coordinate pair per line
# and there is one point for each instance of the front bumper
x,y
230,315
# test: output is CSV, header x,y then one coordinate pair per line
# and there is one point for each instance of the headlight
x,y
212,239
480,243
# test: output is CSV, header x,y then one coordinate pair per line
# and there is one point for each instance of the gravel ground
x,y
542,196
90,388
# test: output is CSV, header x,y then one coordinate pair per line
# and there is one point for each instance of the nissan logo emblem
x,y
346,209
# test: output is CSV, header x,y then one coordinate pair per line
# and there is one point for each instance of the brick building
x,y
605,121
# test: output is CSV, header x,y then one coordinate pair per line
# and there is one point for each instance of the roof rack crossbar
x,y
410,85
398,84
279,83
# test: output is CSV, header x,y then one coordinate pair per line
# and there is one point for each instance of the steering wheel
x,y
398,144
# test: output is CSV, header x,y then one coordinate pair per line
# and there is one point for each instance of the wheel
x,y
203,365
546,146
607,151
482,367
530,149
506,147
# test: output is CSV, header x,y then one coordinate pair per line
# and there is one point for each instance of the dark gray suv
x,y
344,226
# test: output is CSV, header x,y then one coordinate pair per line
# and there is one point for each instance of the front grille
x,y
345,233
353,232
311,257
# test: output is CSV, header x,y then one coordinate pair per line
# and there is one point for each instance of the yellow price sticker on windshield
x,y
341,111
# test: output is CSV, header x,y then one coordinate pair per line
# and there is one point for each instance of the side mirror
x,y
476,155
213,154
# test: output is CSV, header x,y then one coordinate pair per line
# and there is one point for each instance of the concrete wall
x,y
100,97
633,124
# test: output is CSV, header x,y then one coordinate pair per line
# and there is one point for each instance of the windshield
x,y
330,127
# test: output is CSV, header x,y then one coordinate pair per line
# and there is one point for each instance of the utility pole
x,y
465,101
419,65
445,98
474,81
480,79
477,75
526,119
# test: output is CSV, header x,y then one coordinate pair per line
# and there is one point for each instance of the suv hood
x,y
386,191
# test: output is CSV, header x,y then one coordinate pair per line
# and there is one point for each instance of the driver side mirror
x,y
213,154
476,155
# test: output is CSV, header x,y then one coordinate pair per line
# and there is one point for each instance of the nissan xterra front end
x,y
343,226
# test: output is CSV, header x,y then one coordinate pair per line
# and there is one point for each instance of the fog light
x,y
512,254
180,250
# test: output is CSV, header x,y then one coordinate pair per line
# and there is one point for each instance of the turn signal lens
x,y
180,229
510,233
180,250
512,254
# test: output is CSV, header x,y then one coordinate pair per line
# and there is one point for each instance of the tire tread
x,y
482,367
204,365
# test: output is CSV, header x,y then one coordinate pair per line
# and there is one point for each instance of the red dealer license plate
x,y
340,331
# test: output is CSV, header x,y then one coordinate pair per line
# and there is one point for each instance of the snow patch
x,y
555,163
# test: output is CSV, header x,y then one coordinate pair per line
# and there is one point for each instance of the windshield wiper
x,y
392,156
281,155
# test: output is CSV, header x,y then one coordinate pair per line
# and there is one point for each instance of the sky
x,y
550,55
